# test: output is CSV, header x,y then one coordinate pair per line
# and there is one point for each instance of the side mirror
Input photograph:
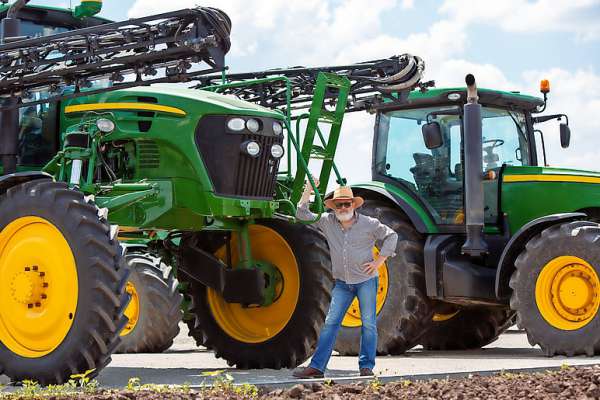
x,y
432,135
565,135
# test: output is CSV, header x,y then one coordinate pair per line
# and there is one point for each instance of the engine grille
x,y
232,172
148,154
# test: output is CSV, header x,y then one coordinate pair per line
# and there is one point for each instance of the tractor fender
x,y
420,225
10,180
517,243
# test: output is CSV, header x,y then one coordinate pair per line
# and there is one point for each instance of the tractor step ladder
x,y
330,89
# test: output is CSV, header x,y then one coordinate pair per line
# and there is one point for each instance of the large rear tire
x,y
556,289
61,307
406,310
283,334
466,328
155,311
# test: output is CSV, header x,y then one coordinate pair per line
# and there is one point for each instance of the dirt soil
x,y
567,383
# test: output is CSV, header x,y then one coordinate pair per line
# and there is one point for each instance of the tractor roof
x,y
458,95
56,16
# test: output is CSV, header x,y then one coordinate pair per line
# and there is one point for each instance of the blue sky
x,y
509,44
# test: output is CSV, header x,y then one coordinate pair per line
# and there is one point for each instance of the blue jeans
x,y
342,296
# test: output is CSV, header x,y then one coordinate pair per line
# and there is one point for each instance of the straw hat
x,y
344,193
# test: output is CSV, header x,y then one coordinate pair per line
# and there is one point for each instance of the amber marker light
x,y
545,86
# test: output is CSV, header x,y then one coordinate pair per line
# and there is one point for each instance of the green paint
x,y
525,201
87,9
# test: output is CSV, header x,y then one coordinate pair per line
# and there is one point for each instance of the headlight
x,y
253,125
105,125
276,151
236,124
277,128
251,148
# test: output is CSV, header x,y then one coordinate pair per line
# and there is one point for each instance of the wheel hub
x,y
28,287
568,292
573,292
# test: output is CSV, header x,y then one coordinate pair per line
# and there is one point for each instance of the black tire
x,y
98,318
295,342
578,239
470,328
405,314
159,305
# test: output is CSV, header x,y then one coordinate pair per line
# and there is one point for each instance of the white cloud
x,y
579,17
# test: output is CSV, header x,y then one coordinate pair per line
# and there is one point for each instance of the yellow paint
x,y
567,292
444,317
352,317
551,178
132,312
38,300
256,324
123,106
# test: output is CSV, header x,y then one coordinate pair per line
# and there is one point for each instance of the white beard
x,y
344,216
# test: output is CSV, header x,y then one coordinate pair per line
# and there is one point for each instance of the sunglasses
x,y
344,204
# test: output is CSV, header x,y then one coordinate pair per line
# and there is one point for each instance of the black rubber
x,y
471,328
580,239
102,274
160,305
407,309
295,343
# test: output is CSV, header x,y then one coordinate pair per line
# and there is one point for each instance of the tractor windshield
x,y
436,175
36,29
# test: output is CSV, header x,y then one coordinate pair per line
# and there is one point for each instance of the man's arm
x,y
303,213
389,238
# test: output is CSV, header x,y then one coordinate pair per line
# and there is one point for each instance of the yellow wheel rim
x,y
438,317
39,298
132,312
567,292
352,317
256,324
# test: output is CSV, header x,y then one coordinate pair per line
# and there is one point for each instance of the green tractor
x,y
66,294
459,174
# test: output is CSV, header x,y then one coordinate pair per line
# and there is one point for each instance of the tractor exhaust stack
x,y
474,245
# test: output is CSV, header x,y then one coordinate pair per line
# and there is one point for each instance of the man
x,y
351,237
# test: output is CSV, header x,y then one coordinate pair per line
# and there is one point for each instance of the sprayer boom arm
x,y
154,49
370,80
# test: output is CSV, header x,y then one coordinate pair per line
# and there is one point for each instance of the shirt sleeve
x,y
303,213
388,236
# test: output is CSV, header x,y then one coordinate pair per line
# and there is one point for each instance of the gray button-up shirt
x,y
352,248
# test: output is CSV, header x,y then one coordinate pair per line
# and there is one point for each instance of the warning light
x,y
545,86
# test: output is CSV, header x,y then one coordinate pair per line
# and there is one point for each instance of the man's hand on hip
x,y
371,267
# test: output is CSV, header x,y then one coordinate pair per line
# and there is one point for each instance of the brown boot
x,y
366,372
307,373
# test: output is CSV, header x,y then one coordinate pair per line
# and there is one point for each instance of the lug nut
x,y
42,273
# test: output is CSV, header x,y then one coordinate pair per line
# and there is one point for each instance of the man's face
x,y
344,210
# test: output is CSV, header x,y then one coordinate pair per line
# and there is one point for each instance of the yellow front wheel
x,y
62,303
282,334
556,289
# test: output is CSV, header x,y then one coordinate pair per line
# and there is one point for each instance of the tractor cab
x,y
419,148
38,138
